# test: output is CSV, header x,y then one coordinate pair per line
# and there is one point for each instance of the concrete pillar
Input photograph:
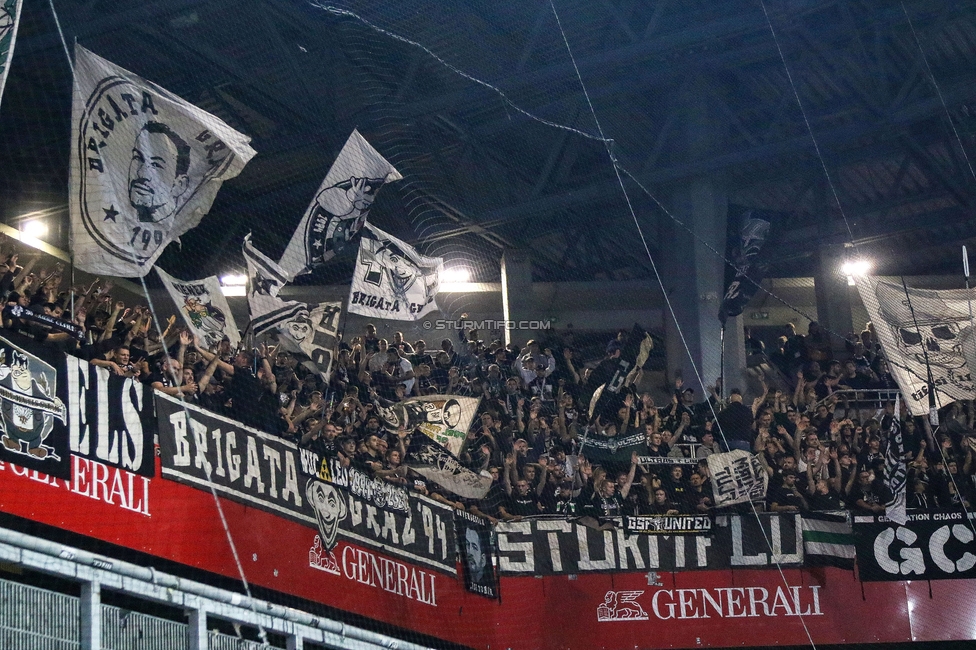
x,y
197,630
694,266
833,296
517,303
91,616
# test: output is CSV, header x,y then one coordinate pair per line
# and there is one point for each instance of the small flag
x,y
828,540
264,280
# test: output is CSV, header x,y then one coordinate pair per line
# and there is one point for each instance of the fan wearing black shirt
x,y
521,503
786,498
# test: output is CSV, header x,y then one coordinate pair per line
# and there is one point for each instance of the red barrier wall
x,y
683,610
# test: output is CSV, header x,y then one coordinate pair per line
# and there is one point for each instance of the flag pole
x,y
721,370
969,297
933,411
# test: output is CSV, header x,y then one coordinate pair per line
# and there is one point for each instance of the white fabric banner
x,y
737,477
204,308
922,329
445,419
145,167
9,19
392,280
340,206
313,336
264,281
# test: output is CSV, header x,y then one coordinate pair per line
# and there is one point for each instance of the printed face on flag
x,y
338,214
340,206
145,168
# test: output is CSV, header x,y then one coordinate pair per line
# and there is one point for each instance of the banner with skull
x,y
392,280
340,207
204,308
748,232
145,167
313,335
9,18
922,331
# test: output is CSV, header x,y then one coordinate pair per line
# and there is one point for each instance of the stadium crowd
x,y
822,443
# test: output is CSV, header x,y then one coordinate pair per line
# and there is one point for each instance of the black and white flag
x,y
340,207
432,461
896,473
476,550
264,280
9,18
748,232
145,167
313,336
923,330
392,280
204,308
737,477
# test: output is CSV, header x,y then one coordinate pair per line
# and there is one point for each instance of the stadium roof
x,y
482,175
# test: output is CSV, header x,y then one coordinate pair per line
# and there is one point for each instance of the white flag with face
x,y
145,167
264,280
313,336
922,330
204,309
340,206
392,280
9,18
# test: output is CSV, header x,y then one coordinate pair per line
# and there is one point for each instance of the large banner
x,y
313,336
931,546
340,207
542,546
261,470
922,330
9,18
204,308
392,280
54,405
748,232
145,167
445,419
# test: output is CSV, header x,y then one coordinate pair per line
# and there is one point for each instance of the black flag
x,y
748,232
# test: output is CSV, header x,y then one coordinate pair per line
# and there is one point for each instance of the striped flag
x,y
896,472
828,540
264,280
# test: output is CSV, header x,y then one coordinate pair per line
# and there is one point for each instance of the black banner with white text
x,y
264,471
541,546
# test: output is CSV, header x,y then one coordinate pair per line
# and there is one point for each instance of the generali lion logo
x,y
621,606
321,558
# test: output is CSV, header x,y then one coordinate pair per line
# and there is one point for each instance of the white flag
x,y
737,477
264,281
313,335
392,280
145,167
340,206
9,18
919,330
445,419
204,308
